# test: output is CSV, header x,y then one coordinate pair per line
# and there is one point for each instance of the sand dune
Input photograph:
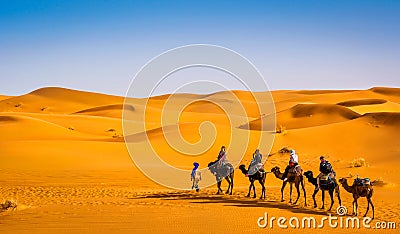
x,y
93,125
3,97
390,119
309,115
113,111
313,92
49,100
38,130
63,157
386,91
362,102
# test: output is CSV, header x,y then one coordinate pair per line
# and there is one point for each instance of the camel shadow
x,y
237,201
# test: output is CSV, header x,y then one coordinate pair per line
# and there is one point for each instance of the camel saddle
x,y
296,170
325,179
362,182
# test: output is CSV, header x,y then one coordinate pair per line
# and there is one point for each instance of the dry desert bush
x,y
8,205
281,129
358,162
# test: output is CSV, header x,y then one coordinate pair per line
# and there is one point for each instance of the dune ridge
x,y
307,115
361,102
386,90
385,118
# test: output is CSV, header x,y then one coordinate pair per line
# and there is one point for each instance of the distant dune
x,y
3,97
309,115
57,100
313,92
386,91
362,102
390,119
113,111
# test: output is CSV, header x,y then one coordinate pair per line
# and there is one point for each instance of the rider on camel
x,y
325,168
255,164
222,158
293,161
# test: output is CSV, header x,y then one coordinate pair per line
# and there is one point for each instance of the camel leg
x,y
248,194
282,189
338,195
332,201
219,187
298,194
323,199
262,189
313,196
304,191
229,184
372,205
373,208
254,191
366,212
290,196
355,208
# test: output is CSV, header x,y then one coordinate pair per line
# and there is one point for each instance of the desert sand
x,y
65,164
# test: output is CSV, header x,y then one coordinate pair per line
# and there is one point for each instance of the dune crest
x,y
386,90
361,102
308,115
113,111
383,118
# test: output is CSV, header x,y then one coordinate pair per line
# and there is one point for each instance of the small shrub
x,y
281,129
284,150
8,205
379,182
358,162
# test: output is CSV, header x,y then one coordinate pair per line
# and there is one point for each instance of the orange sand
x,y
64,162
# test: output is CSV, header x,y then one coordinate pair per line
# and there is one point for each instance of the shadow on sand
x,y
235,200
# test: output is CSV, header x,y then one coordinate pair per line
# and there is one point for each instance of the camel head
x,y
309,174
342,180
243,168
275,169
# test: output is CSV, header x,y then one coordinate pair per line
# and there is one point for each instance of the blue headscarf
x,y
196,165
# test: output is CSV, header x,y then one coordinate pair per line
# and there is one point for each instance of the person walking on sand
x,y
195,176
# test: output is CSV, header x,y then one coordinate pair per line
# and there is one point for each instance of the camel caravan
x,y
294,175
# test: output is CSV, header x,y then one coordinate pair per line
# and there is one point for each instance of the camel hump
x,y
296,170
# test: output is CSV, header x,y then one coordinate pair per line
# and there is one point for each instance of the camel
x,y
331,187
359,191
226,172
293,178
260,176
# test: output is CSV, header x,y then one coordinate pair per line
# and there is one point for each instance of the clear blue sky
x,y
100,45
